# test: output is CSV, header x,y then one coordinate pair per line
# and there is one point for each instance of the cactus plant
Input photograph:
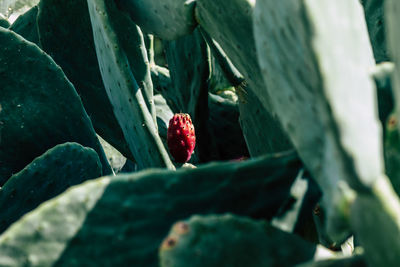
x,y
257,77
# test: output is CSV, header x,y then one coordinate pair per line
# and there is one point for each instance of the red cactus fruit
x,y
181,138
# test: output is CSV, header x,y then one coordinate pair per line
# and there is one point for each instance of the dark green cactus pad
x,y
26,25
129,167
126,217
74,51
44,178
39,107
392,22
225,129
383,80
162,81
296,214
376,217
168,19
4,22
374,16
188,65
128,98
228,240
218,82
392,152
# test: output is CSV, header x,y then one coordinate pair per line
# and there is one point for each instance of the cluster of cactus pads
x,y
286,110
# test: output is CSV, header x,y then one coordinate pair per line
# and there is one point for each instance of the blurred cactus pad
x,y
294,107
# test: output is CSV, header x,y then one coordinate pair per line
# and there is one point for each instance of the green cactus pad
x,y
228,240
225,129
161,80
392,152
218,82
127,98
55,223
66,35
44,178
392,22
260,131
301,51
188,65
376,217
4,21
127,216
26,25
383,80
374,16
167,19
39,107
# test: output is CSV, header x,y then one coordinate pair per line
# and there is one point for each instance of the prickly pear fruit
x,y
181,138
